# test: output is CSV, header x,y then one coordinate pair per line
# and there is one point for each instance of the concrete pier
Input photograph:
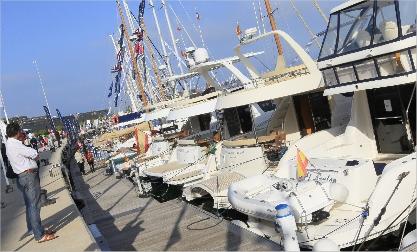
x,y
63,216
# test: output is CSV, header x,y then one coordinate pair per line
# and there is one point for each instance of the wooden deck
x,y
130,223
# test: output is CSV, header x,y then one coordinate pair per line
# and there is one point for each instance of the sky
x,y
71,44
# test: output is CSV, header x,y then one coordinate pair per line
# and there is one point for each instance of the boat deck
x,y
127,222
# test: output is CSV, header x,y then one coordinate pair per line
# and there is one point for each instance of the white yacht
x,y
302,109
358,182
201,119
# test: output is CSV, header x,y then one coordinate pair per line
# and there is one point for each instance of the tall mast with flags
x,y
130,88
138,75
161,89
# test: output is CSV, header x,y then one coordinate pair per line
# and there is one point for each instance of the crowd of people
x,y
45,142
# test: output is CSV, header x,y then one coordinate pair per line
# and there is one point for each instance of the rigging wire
x,y
188,16
182,26
408,215
383,210
256,17
263,64
260,15
312,34
317,6
200,32
159,53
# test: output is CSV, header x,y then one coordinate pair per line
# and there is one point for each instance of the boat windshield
x,y
367,24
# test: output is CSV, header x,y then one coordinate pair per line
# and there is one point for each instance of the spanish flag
x,y
238,31
302,163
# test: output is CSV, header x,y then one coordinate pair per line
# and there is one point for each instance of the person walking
x,y
80,161
23,162
90,160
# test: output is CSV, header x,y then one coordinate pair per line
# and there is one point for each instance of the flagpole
x,y
41,81
46,99
4,107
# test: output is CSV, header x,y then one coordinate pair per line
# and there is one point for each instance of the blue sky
x,y
70,41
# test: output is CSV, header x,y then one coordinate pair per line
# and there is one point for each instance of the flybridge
x,y
369,44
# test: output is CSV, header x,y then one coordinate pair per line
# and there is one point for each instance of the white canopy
x,y
193,110
157,114
282,82
294,86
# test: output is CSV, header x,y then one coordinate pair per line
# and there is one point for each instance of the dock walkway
x,y
63,216
127,222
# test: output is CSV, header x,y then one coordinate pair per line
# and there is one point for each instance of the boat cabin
x,y
371,46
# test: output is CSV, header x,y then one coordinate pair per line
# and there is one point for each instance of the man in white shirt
x,y
23,161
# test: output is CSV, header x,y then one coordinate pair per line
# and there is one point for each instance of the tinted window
x,y
330,39
355,27
408,16
267,105
386,22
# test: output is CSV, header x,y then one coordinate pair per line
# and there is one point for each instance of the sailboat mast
x,y
273,27
172,35
164,50
153,60
138,75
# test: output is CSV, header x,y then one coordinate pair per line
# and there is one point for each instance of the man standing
x,y
23,161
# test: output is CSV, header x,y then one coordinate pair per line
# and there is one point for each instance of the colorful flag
x,y
138,49
302,163
49,117
110,90
238,31
141,10
197,16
